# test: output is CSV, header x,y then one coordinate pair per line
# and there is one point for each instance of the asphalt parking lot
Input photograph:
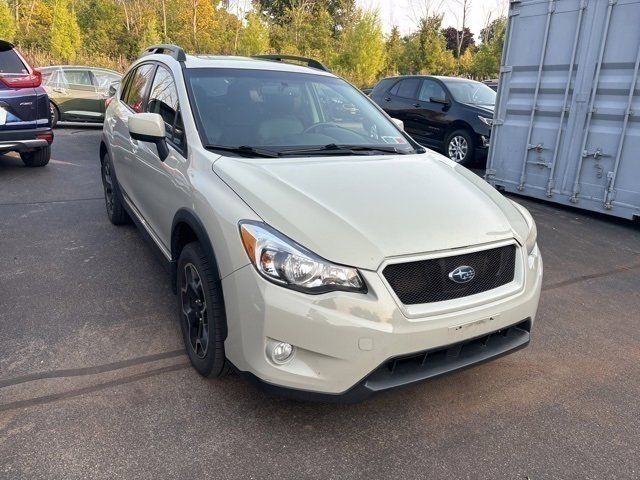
x,y
94,382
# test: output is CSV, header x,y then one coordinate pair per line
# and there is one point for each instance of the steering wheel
x,y
322,126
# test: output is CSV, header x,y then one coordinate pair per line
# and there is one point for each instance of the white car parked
x,y
327,256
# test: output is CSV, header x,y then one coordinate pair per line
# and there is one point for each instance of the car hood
x,y
360,210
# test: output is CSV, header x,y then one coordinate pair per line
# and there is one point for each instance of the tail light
x,y
48,136
30,80
107,101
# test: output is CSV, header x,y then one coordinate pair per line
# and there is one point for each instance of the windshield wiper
x,y
245,151
334,149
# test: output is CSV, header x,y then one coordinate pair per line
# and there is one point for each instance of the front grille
x,y
428,281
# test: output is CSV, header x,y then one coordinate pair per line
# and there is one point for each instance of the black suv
x,y
450,114
24,109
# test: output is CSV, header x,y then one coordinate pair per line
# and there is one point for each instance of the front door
x,y
161,186
432,111
124,148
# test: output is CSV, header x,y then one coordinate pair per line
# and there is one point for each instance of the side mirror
x,y
149,127
399,123
113,88
440,100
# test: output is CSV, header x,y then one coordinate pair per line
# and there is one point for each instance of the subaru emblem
x,y
462,274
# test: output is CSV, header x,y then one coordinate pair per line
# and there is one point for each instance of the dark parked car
x,y
24,109
492,84
453,115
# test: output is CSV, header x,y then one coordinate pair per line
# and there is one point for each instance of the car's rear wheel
x,y
460,147
36,158
201,312
54,115
112,199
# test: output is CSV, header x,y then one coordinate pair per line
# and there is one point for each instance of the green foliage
x,y
395,52
65,38
7,22
486,62
350,40
102,24
254,37
362,58
426,50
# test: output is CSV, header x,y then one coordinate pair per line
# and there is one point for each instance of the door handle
x,y
387,99
417,105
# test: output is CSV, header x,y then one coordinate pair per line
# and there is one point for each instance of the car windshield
x,y
282,111
473,93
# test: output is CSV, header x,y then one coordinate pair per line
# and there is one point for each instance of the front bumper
x,y
346,343
25,140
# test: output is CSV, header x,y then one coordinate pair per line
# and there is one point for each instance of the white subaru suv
x,y
312,244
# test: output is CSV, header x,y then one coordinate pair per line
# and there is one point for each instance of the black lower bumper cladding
x,y
410,369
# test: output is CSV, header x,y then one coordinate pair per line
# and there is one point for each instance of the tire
x,y
201,312
112,196
37,158
54,114
460,147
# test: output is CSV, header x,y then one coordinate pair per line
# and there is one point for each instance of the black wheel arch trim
x,y
189,217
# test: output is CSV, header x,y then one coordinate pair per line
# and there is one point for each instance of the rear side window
x,y
10,62
406,88
163,100
78,77
137,86
382,85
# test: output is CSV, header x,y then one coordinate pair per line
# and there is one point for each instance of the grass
x,y
41,58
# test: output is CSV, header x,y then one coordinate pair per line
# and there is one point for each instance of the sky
x,y
404,13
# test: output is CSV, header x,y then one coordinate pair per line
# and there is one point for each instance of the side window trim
x,y
181,150
145,94
125,85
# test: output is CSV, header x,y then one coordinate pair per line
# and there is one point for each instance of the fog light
x,y
281,352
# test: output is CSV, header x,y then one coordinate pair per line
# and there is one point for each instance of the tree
x,y
7,22
102,25
65,38
452,36
493,28
486,63
427,49
460,11
363,50
254,37
395,52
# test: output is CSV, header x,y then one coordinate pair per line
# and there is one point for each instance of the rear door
x,y
79,98
400,103
17,105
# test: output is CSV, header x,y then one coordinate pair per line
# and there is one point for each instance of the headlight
x,y
532,237
284,262
486,120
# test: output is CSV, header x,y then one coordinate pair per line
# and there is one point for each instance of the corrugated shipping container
x,y
567,117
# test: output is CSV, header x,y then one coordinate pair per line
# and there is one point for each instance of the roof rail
x,y
166,49
309,62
